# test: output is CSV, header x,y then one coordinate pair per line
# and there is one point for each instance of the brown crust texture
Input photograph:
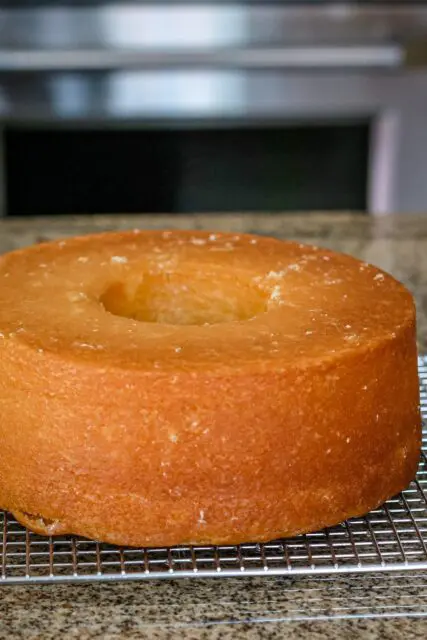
x,y
161,388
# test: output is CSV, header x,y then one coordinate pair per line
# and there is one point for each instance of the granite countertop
x,y
368,606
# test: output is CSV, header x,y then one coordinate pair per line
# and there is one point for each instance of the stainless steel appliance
x,y
175,64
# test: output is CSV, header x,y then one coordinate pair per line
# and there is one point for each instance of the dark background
x,y
230,169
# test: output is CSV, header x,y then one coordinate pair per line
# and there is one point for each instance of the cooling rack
x,y
390,538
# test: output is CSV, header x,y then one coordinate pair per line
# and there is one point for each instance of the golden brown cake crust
x,y
159,388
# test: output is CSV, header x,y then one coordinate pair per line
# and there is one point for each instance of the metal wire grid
x,y
390,538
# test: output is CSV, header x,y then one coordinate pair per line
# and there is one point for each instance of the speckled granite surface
x,y
361,606
221,609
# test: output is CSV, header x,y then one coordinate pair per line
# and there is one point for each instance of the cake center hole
x,y
185,299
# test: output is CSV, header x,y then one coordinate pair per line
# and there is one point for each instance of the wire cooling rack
x,y
391,538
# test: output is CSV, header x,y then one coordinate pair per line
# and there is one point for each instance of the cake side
x,y
141,461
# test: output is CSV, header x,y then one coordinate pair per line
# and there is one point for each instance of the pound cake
x,y
162,388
